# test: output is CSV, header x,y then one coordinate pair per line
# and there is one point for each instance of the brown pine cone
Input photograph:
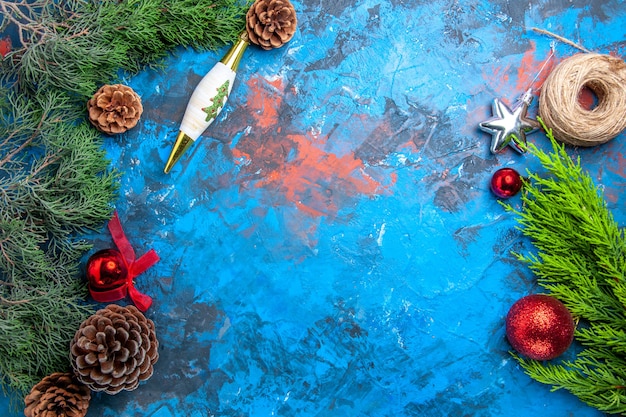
x,y
57,395
114,349
271,23
114,109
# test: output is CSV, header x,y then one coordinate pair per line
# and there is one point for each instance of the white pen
x,y
207,100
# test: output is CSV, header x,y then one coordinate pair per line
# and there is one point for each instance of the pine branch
x,y
55,180
594,385
217,14
581,260
54,185
78,46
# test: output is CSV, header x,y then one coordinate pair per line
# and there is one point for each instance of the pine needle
x,y
55,180
581,260
54,185
75,46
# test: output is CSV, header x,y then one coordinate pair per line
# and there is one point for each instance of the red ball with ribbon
x,y
111,272
106,270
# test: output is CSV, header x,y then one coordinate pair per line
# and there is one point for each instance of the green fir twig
x,y
581,260
75,45
55,180
54,186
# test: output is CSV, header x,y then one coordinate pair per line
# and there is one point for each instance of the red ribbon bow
x,y
134,266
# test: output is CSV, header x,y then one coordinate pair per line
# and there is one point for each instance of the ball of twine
x,y
561,110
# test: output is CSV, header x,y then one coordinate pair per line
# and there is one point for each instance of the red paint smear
x,y
620,169
614,194
528,75
240,157
587,98
531,73
317,182
265,101
621,162
501,74
297,169
5,46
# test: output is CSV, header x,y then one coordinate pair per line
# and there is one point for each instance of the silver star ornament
x,y
509,127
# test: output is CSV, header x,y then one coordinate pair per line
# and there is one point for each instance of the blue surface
x,y
330,247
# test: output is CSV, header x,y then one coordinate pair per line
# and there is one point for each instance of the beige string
x,y
559,105
561,38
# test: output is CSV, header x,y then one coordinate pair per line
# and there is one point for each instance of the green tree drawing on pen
x,y
218,102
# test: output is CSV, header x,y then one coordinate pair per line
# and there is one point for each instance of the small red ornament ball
x,y
539,327
506,182
106,270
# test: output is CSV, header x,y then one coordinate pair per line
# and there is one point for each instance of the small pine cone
x,y
271,23
114,349
57,395
114,109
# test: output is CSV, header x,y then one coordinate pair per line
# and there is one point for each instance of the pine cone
x,y
271,23
114,349
58,395
114,109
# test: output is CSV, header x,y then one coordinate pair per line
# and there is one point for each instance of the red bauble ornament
x,y
111,272
506,182
106,269
539,327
